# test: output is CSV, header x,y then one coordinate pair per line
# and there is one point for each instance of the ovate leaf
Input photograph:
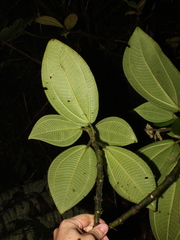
x,y
115,131
69,84
129,175
154,114
160,155
165,222
151,73
71,176
56,130
70,21
47,20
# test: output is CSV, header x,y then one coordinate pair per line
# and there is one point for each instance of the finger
x,y
83,220
99,231
55,233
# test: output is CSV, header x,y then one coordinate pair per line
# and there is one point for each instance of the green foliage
x,y
154,114
162,154
129,175
165,221
71,89
115,131
69,84
56,130
69,22
71,176
151,73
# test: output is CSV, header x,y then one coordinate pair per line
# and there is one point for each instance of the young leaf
x,y
71,176
160,155
129,175
154,114
70,21
47,20
69,84
56,130
151,73
115,131
165,222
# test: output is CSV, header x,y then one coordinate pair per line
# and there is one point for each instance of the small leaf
x,y
171,134
70,21
71,176
160,155
132,4
115,131
131,12
69,84
151,73
165,222
129,175
141,4
154,114
47,20
176,127
56,130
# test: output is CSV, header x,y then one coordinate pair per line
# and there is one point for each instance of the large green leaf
x,y
56,130
162,154
154,114
150,72
115,131
69,84
129,175
165,222
71,176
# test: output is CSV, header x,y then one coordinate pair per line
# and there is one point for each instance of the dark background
x,y
100,37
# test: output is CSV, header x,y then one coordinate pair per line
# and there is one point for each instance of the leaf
x,y
165,222
115,131
47,20
71,176
154,114
176,127
70,21
69,84
151,73
132,4
15,30
160,155
56,130
129,175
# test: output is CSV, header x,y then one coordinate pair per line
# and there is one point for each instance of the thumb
x,y
99,231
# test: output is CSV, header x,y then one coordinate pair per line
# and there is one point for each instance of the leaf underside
x,y
56,130
71,176
160,155
115,131
165,222
69,84
129,175
150,72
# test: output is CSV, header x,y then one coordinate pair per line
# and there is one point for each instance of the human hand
x,y
80,227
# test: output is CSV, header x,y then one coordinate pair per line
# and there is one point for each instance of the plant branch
x,y
150,197
99,185
100,175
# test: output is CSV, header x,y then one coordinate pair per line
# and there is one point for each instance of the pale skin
x,y
81,227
